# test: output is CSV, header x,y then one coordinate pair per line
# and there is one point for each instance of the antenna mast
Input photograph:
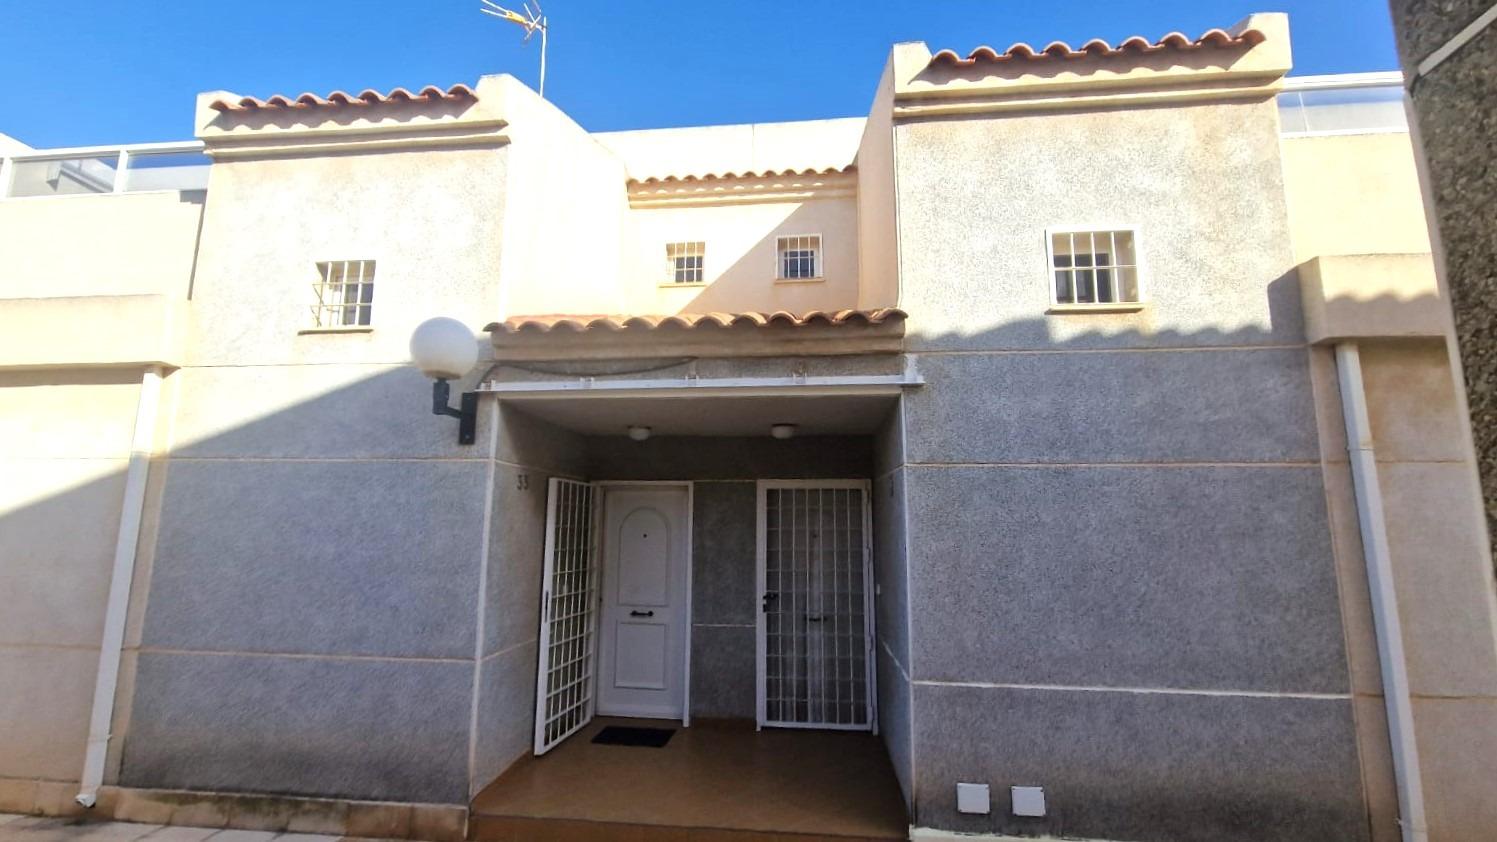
x,y
532,20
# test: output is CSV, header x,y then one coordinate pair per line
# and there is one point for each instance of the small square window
x,y
799,257
684,262
344,294
1094,267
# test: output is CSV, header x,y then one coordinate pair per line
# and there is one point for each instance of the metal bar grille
x,y
799,257
1094,267
345,293
685,262
569,600
815,624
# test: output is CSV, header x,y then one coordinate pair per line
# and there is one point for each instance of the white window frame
x,y
670,279
318,307
821,269
1057,306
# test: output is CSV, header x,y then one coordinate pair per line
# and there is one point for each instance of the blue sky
x,y
104,71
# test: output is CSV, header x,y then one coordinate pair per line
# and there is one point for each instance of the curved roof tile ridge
x,y
729,174
1098,47
690,321
368,96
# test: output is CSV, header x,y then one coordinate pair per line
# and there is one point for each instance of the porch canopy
x,y
712,374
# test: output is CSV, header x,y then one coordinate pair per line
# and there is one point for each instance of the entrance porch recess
x,y
615,621
696,522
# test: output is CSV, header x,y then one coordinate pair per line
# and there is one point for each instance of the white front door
x,y
642,668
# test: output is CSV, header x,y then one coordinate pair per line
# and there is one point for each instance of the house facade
x,y
1080,422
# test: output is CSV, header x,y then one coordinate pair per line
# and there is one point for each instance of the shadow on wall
x,y
751,273
304,611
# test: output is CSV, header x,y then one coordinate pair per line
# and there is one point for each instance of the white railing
x,y
92,170
1347,103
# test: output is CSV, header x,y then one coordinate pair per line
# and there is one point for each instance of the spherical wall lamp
x,y
445,349
782,431
639,432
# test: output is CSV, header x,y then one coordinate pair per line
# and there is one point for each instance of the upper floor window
x,y
1094,267
684,262
799,257
345,293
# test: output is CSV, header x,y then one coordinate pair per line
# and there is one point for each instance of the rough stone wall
x,y
1458,129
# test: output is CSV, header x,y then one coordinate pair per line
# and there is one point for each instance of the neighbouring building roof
x,y
430,93
689,321
1213,38
749,150
10,144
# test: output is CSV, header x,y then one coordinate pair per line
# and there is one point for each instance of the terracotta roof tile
x,y
1098,47
689,321
745,174
430,93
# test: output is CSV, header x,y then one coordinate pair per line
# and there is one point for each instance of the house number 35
x,y
522,482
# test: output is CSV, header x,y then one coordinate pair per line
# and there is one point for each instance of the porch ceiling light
x,y
638,433
445,349
782,431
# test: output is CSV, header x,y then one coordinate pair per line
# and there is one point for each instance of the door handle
x,y
814,618
641,613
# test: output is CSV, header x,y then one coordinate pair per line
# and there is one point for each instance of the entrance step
x,y
526,829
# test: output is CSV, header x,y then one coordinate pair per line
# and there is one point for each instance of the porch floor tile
x,y
708,782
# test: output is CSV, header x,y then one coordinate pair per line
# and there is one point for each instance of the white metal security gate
x,y
815,629
565,693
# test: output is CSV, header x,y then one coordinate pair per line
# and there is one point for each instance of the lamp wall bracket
x,y
466,413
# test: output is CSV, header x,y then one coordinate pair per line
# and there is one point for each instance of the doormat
x,y
623,735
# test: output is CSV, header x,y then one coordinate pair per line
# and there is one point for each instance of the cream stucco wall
x,y
429,219
1353,194
563,232
64,441
130,244
878,233
740,264
1354,206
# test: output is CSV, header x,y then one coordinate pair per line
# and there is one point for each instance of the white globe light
x,y
444,348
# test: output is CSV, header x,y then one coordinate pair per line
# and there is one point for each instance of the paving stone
x,y
181,834
243,836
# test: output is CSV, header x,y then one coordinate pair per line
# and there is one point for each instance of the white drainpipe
x,y
119,587
1384,600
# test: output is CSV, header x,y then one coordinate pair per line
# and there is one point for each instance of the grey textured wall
x,y
1120,569
891,607
310,619
1457,126
723,599
722,458
724,516
529,453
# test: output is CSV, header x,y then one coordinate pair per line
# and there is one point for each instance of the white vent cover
x,y
973,798
1028,800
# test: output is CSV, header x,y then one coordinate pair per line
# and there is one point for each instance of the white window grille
x,y
345,293
684,262
1094,267
798,257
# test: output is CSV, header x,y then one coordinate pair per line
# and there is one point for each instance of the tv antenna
x,y
532,20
